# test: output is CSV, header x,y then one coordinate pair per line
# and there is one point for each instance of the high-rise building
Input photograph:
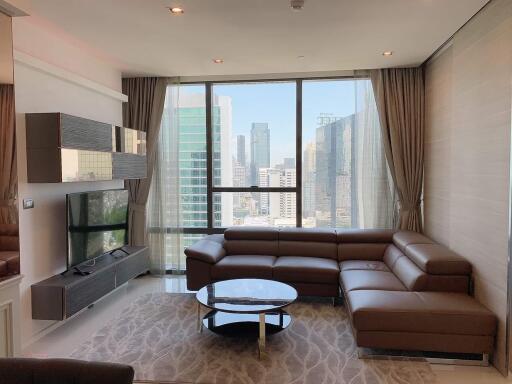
x,y
289,163
262,199
281,204
193,162
333,181
260,149
308,180
240,150
287,200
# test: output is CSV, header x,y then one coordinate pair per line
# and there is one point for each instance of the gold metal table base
x,y
261,339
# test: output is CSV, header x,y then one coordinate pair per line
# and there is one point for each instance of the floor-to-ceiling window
x,y
283,153
254,153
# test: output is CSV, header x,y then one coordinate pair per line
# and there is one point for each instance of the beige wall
x,y
468,102
43,229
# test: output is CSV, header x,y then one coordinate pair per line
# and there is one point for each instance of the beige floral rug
x,y
157,335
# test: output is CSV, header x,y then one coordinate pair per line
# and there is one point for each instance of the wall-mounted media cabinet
x,y
64,148
62,296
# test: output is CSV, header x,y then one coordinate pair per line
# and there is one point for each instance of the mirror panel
x,y
9,239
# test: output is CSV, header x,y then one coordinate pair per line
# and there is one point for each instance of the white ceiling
x,y
258,36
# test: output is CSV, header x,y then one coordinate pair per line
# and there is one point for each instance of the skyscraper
x,y
308,180
260,149
240,150
289,163
192,159
333,184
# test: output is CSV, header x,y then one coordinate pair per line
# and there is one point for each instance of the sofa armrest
x,y
34,371
209,250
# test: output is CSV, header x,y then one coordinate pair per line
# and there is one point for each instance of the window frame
x,y
211,189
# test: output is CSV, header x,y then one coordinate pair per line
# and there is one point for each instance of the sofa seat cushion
x,y
420,312
353,280
363,265
243,266
12,261
300,269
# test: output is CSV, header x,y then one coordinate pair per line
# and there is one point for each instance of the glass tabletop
x,y
246,295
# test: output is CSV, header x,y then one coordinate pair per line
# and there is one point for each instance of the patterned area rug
x,y
157,335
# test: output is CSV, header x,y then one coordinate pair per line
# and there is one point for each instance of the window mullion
x,y
209,154
298,152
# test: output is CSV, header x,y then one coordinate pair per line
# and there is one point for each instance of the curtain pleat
x,y
143,111
400,99
375,197
8,164
165,234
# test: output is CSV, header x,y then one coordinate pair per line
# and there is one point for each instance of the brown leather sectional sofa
x,y
63,371
9,250
402,290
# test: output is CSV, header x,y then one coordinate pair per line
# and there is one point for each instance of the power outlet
x,y
28,203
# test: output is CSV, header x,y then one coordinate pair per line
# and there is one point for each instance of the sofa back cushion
x,y
251,241
363,244
444,270
436,259
9,237
402,239
309,242
408,273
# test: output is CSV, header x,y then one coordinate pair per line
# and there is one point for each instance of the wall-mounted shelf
x,y
64,148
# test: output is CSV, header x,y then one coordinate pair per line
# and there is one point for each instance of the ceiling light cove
x,y
218,61
387,53
176,10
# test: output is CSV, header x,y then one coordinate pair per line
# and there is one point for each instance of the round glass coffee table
x,y
249,307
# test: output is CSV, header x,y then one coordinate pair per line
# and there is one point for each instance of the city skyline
x,y
335,98
334,161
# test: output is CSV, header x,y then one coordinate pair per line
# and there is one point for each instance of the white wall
x,y
42,229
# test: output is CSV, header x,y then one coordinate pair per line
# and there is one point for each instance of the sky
x,y
274,103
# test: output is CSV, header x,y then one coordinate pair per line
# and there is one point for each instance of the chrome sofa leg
x,y
484,362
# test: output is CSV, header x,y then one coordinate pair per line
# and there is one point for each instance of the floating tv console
x,y
62,296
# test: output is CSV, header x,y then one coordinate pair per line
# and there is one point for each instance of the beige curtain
x,y
164,213
8,168
143,111
400,98
374,197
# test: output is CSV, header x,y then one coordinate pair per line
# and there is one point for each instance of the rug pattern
x,y
157,335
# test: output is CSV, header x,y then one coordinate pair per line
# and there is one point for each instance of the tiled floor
x,y
64,339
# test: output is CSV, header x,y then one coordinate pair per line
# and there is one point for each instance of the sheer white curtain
x,y
375,200
164,217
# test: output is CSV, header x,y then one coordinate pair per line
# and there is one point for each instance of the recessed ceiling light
x,y
297,5
218,61
177,10
387,53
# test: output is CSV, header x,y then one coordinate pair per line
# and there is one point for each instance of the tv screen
x,y
97,223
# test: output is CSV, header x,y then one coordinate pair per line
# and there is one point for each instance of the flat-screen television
x,y
97,223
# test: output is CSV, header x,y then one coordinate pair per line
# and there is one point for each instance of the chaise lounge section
x,y
401,289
